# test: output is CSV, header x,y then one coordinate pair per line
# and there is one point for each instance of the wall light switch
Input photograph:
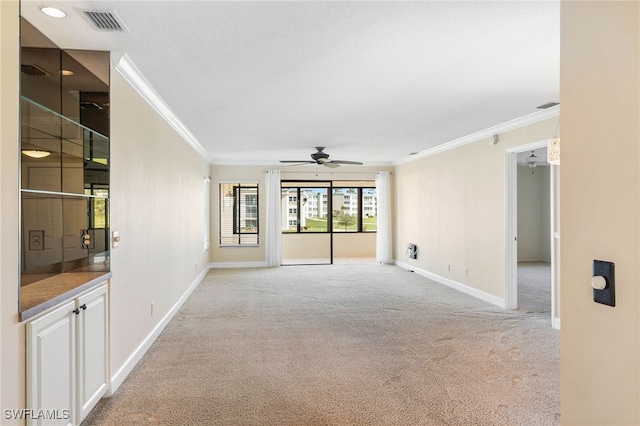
x,y
603,283
115,239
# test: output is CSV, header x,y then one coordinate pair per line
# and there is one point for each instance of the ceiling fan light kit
x,y
322,158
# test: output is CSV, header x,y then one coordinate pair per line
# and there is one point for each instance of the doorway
x,y
532,248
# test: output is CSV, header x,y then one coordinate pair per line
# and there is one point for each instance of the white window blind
x,y
239,216
207,211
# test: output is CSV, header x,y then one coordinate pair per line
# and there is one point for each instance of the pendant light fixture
x,y
34,153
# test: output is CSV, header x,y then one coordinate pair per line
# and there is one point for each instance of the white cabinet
x,y
91,357
67,360
51,367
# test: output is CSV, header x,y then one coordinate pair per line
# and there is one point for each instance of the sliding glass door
x,y
306,229
326,222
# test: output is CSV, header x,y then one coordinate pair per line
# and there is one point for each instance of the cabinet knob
x,y
77,310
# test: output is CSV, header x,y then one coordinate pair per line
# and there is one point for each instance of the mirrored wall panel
x,y
64,163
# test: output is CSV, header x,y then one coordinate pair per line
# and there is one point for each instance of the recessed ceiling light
x,y
67,72
54,12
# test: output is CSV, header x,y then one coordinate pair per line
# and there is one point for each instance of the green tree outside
x,y
343,219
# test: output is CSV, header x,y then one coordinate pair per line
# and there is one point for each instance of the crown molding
x,y
517,123
128,70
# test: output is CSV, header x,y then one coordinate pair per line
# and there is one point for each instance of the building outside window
x,y
239,216
306,209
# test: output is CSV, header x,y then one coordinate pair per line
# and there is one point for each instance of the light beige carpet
x,y
534,287
341,345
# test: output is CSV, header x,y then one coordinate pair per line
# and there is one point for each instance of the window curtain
x,y
383,235
273,234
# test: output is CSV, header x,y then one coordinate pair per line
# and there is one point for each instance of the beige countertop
x,y
44,294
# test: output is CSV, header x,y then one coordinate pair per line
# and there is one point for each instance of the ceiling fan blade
x,y
299,162
321,158
358,163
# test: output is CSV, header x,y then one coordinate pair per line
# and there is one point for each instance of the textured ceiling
x,y
258,82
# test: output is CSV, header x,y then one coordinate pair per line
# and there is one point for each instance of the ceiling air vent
x,y
104,21
548,105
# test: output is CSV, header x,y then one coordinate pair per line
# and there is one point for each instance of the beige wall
x,y
157,205
12,338
599,95
534,214
452,206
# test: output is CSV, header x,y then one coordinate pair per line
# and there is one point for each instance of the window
x,y
354,209
313,218
308,207
207,204
369,210
305,207
97,206
239,213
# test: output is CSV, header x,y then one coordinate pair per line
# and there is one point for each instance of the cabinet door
x,y
51,367
92,344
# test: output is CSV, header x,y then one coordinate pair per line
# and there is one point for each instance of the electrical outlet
x,y
412,251
86,239
36,240
466,272
449,267
152,308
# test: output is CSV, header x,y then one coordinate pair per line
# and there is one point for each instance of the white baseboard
x,y
221,265
455,285
555,323
118,378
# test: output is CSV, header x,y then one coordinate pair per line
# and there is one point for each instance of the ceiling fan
x,y
532,160
321,158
